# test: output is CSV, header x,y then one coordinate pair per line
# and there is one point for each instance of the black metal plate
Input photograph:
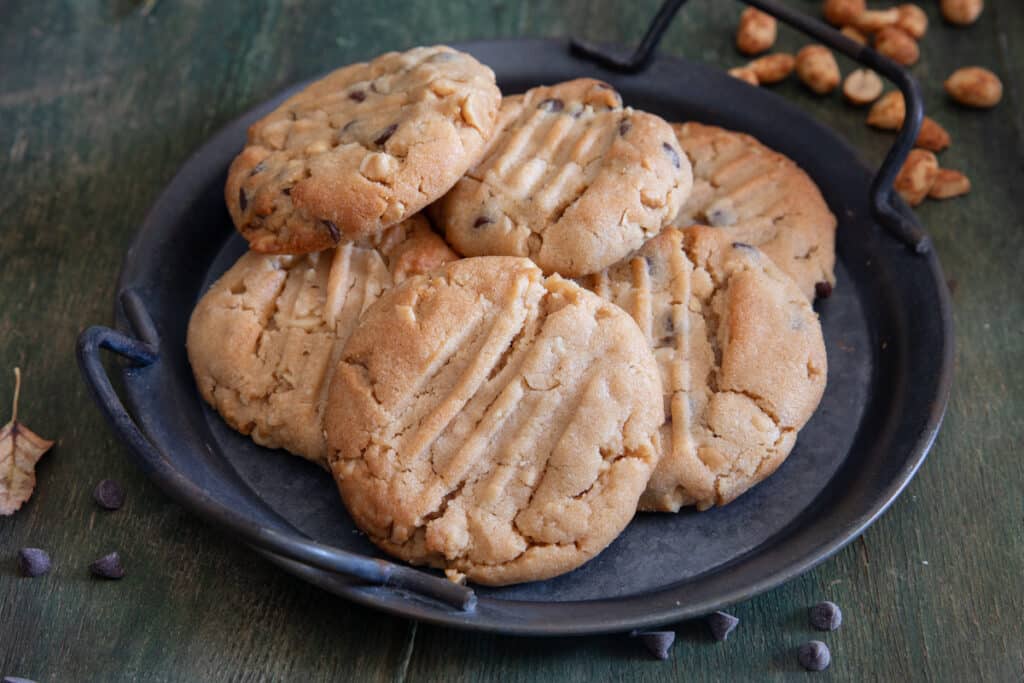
x,y
887,328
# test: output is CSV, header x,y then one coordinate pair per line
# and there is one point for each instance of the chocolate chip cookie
x,y
361,149
489,421
573,180
741,356
760,197
264,340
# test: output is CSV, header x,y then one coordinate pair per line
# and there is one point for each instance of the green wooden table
x,y
100,102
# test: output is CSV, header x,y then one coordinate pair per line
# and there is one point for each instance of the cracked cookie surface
x,y
494,423
264,340
361,149
741,356
571,179
758,196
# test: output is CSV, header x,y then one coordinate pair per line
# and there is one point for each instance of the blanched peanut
x,y
917,176
861,87
975,87
933,136
961,12
897,45
854,35
773,68
873,21
745,73
756,32
913,20
949,183
817,68
888,113
842,12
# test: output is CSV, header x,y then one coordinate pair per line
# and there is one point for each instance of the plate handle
x,y
145,352
900,224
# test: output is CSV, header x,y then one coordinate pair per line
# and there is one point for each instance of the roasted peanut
x,y
933,136
913,20
949,183
842,12
873,21
817,68
773,68
975,87
897,45
745,73
854,35
888,113
917,176
756,32
961,12
861,87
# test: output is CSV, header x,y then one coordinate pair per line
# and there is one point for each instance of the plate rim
x,y
617,621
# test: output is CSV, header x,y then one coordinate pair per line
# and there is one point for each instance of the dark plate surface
x,y
887,329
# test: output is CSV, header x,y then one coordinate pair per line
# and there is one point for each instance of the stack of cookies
x,y
505,324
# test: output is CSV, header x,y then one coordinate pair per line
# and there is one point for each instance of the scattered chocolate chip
x,y
551,104
108,567
814,655
258,168
109,494
624,126
243,201
721,625
482,220
823,289
357,95
657,643
33,562
826,616
385,135
672,153
333,229
743,245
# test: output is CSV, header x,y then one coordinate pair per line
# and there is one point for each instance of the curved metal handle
x,y
178,487
900,225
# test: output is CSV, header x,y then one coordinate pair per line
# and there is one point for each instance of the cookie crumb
x,y
722,624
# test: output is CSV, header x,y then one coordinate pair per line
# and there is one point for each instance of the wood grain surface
x,y
100,102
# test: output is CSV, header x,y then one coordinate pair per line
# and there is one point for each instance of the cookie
x,y
759,197
361,149
741,356
572,180
264,340
494,423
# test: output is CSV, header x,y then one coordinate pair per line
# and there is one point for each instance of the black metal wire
x,y
900,224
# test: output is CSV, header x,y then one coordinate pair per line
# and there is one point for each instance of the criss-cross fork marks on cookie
x,y
362,149
741,355
571,179
494,423
264,341
759,197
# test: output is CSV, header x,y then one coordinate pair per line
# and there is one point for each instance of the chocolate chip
x,y
601,85
657,643
243,201
333,229
823,289
721,625
357,95
293,116
33,561
108,567
482,220
624,126
287,192
109,495
743,245
826,616
385,135
670,327
577,112
551,104
814,655
258,168
672,153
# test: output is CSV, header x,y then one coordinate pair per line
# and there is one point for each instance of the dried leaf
x,y
20,450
